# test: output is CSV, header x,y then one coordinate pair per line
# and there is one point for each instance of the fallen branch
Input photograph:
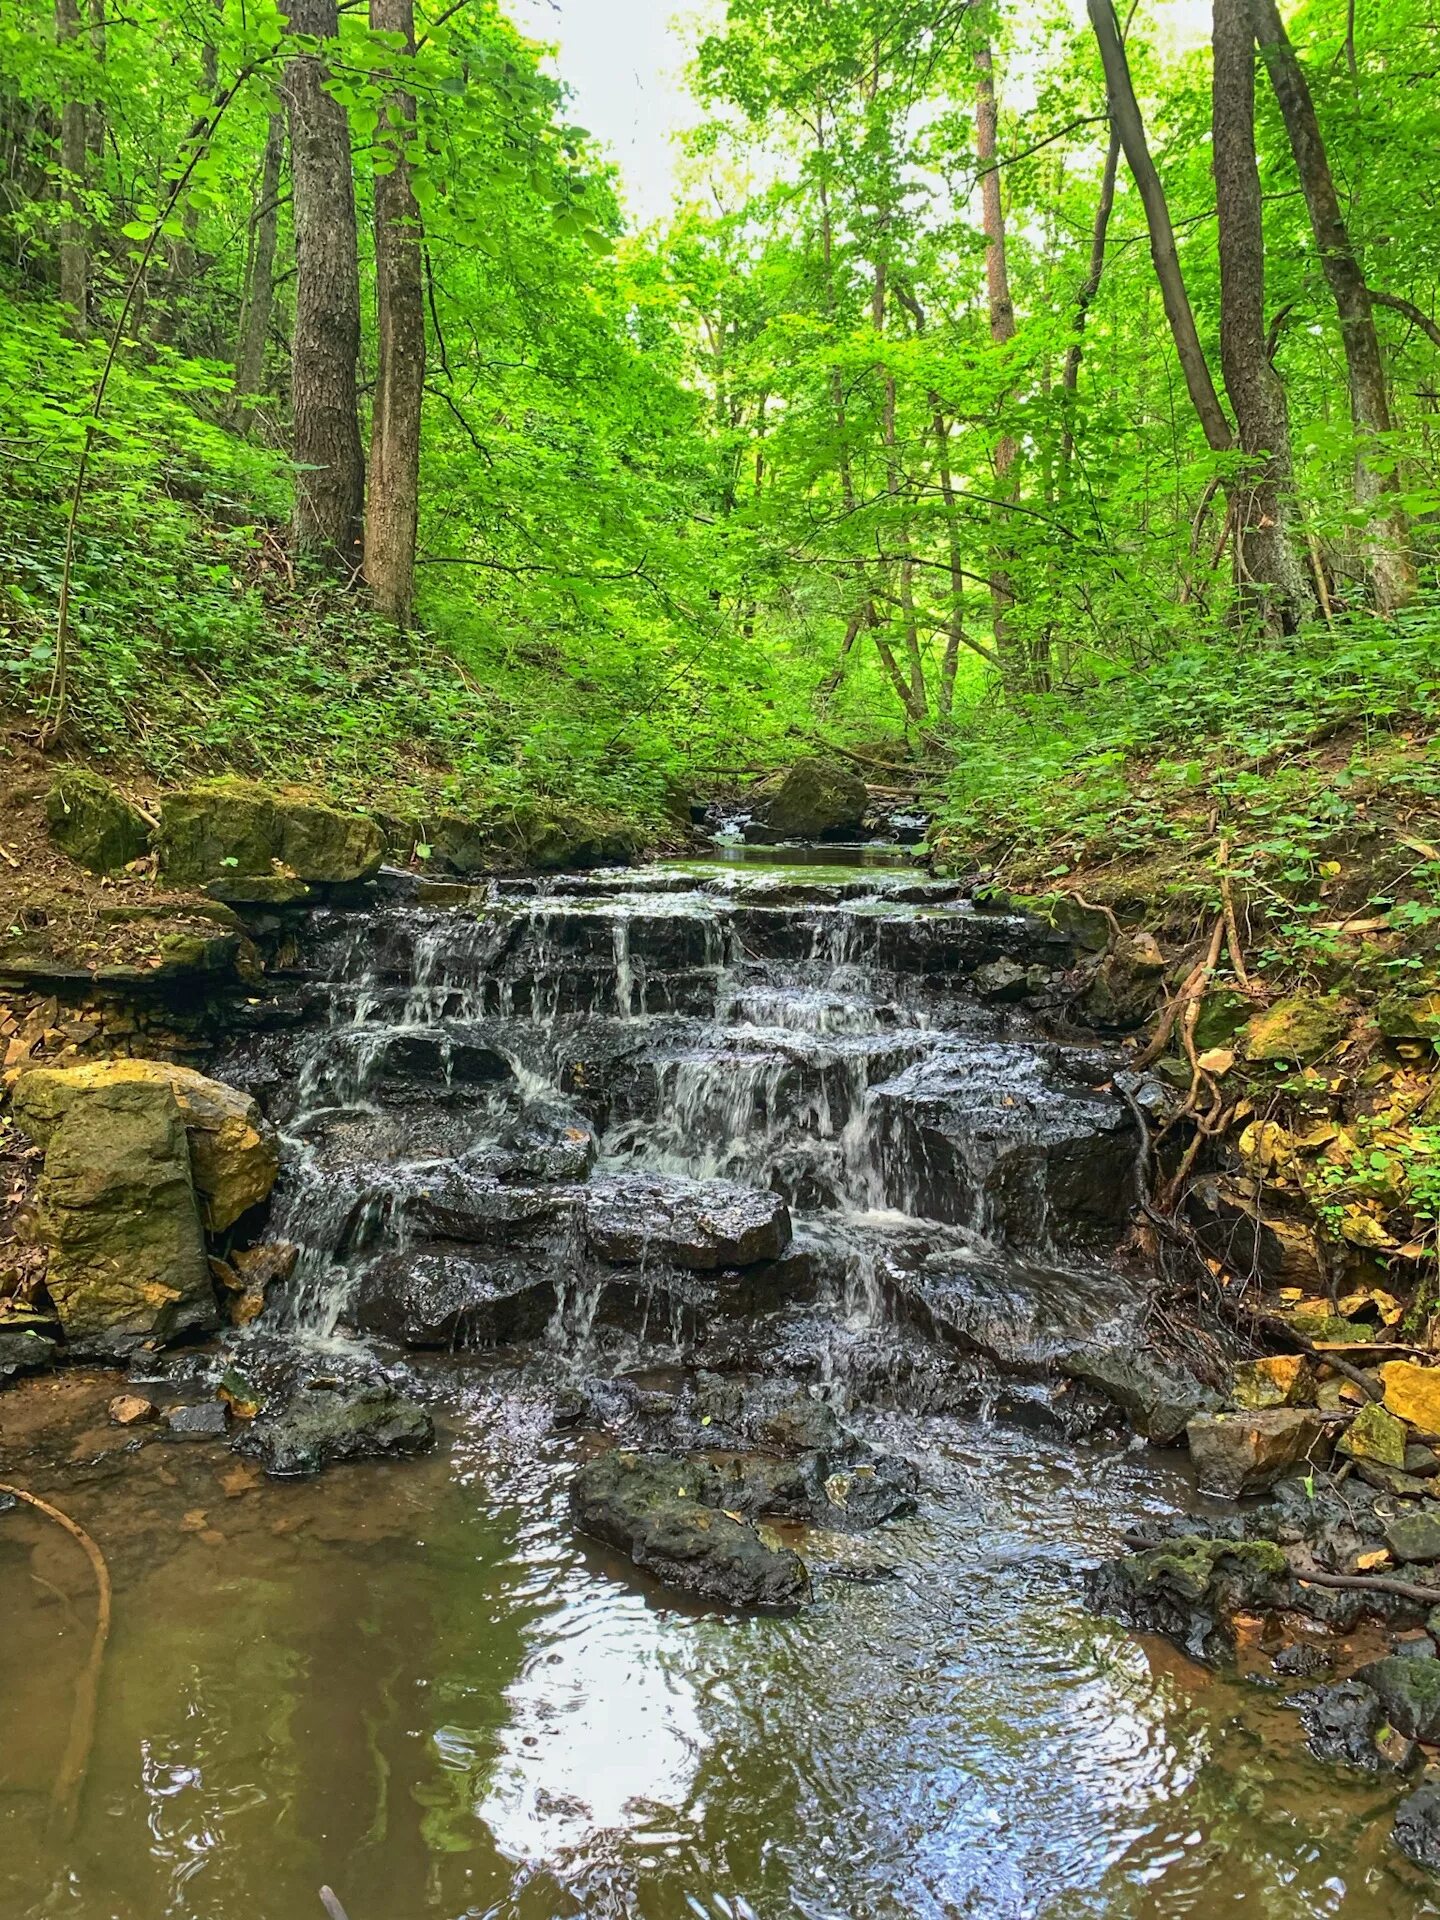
x,y
331,1905
65,1799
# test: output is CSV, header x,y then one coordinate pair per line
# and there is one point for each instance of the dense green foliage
x,y
695,499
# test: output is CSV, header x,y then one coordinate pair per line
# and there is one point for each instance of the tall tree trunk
x,y
260,293
1272,576
329,460
1002,329
95,131
1125,118
1388,531
392,515
74,251
1089,287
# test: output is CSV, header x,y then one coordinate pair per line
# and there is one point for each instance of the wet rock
x,y
1421,1462
1002,980
131,1410
451,1297
1240,1453
1160,1401
322,1427
1415,1537
697,1225
1302,1661
552,1145
1023,1316
451,1202
23,1349
94,824
665,1514
1278,1380
1301,1029
1417,1825
202,1420
233,1154
1375,1435
1412,1393
1190,1588
117,1210
817,800
1408,1691
1347,1726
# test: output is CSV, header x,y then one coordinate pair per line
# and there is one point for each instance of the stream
x,y
505,1110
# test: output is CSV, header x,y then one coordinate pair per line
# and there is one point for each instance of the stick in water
x,y
331,1905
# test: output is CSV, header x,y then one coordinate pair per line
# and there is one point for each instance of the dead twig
x,y
331,1905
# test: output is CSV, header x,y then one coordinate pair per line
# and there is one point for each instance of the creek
x,y
518,1122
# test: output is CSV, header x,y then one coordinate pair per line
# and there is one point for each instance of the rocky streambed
x,y
732,1252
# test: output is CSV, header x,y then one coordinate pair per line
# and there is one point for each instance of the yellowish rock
x,y
1413,1393
1279,1380
1375,1434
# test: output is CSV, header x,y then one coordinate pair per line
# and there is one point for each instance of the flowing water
x,y
411,1681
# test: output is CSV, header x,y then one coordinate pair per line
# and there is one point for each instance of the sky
x,y
625,61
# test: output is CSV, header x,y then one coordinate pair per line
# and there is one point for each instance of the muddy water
x,y
411,1682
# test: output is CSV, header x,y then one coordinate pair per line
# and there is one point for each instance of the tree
x,y
1002,332
392,512
1272,576
1126,118
74,153
259,293
325,349
1388,530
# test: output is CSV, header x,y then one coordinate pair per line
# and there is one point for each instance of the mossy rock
x,y
92,823
230,827
1300,1029
116,1207
233,1153
1409,1016
817,800
1222,1014
558,837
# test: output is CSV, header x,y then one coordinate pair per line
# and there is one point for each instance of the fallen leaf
x,y
195,1521
1366,1561
1218,1060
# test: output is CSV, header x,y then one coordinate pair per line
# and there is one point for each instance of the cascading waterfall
x,y
822,1043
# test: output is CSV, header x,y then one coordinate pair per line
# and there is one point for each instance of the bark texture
x,y
1392,567
1125,118
74,157
392,514
1272,577
260,294
1002,329
330,463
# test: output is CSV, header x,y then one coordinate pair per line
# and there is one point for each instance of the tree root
x,y
65,1798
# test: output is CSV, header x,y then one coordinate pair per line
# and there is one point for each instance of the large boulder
x,y
118,1213
666,1514
231,828
701,1225
1408,1689
1240,1453
817,800
1417,1825
94,824
1300,1030
233,1154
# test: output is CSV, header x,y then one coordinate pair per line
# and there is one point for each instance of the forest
x,y
995,377
743,907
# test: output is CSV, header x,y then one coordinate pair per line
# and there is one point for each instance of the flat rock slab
x,y
665,1513
700,1225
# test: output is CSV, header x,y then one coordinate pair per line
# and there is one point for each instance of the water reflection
x,y
410,1683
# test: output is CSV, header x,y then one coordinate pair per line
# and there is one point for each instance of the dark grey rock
x,y
666,1514
23,1349
205,1420
1417,1825
1347,1724
320,1428
1409,1693
698,1225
